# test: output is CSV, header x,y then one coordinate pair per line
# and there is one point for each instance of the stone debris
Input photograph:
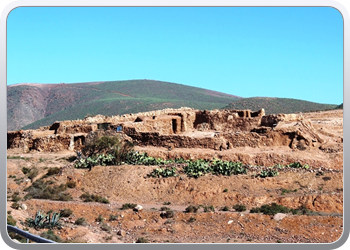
x,y
279,216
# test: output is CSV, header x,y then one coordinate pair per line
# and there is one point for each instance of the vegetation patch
x,y
128,206
191,209
66,212
275,208
142,240
50,235
86,197
52,171
41,190
11,221
167,214
239,208
81,221
42,220
287,191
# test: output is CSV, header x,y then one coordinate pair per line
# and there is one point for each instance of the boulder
x,y
279,216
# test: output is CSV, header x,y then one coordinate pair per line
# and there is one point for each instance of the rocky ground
x,y
319,189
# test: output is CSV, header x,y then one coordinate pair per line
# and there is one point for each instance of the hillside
x,y
30,106
278,105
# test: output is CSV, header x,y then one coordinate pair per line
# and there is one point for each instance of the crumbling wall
x,y
53,143
274,119
228,120
226,129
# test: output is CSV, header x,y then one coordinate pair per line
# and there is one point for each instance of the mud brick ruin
x,y
176,128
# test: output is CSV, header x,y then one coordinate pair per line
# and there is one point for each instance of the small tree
x,y
108,145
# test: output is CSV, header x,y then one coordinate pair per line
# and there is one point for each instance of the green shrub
x,y
81,221
11,221
108,145
15,205
239,208
268,173
209,208
41,190
271,209
25,170
197,168
142,240
99,218
192,219
15,197
106,228
191,209
225,208
128,206
225,190
113,217
86,197
167,214
164,172
167,203
66,212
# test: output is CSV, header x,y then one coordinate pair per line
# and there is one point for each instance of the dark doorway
x,y
174,125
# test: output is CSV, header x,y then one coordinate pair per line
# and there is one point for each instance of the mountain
x,y
278,105
30,106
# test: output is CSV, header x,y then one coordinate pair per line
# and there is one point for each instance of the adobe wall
x,y
164,128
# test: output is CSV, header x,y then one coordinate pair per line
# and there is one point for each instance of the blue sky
x,y
247,51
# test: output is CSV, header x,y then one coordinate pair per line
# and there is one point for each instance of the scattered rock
x,y
279,216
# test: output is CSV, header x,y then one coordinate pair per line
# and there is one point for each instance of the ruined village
x,y
294,161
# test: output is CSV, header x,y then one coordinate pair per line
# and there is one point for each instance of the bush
x,y
268,173
191,209
15,197
32,173
15,205
128,206
106,228
93,198
167,203
66,212
108,145
99,218
271,209
239,208
80,221
142,240
11,221
192,219
225,208
25,170
113,217
164,172
167,214
41,190
209,208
